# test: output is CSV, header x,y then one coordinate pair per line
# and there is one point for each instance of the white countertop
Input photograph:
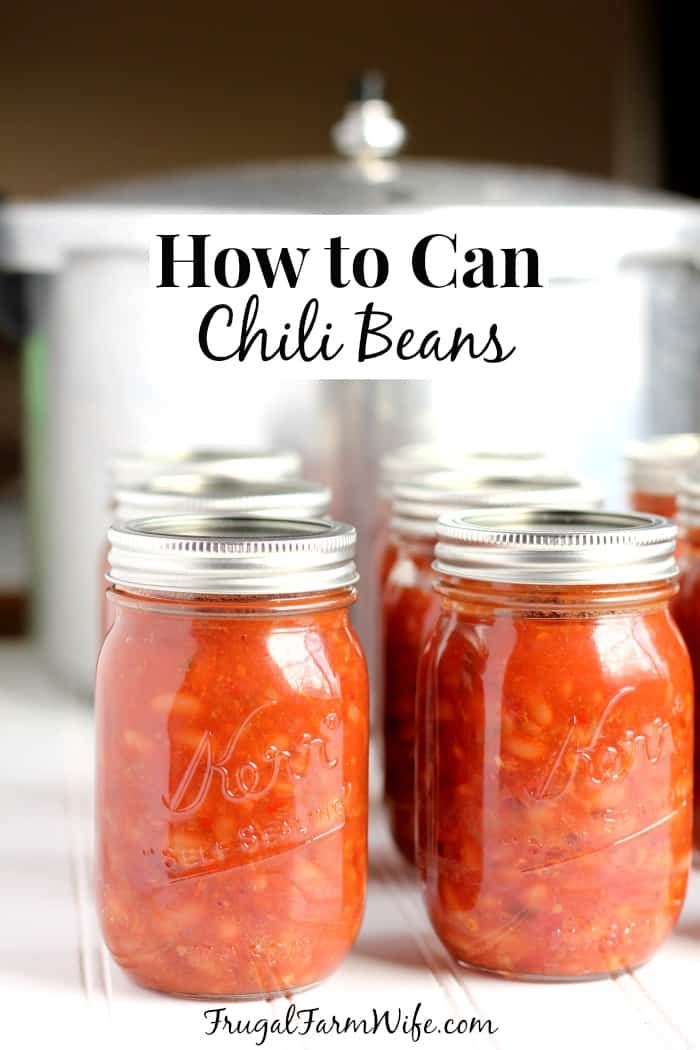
x,y
59,989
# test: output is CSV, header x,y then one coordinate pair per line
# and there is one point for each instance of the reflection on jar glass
x,y
555,745
410,604
232,756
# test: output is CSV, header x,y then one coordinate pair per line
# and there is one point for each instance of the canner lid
x,y
575,213
577,216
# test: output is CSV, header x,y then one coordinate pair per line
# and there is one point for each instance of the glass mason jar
x,y
555,748
410,603
211,495
654,468
232,746
686,604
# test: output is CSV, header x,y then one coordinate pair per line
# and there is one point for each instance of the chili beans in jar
x,y
654,468
231,755
555,747
409,604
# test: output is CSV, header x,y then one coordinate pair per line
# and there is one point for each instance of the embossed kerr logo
x,y
606,755
248,768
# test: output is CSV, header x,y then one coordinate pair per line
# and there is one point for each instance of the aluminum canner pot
x,y
89,371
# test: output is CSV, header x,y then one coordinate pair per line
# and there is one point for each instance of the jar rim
x,y
232,555
557,546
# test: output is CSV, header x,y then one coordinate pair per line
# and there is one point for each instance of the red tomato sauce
x,y
409,605
232,791
661,503
556,771
387,558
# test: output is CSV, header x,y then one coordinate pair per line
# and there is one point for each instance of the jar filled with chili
x,y
231,755
555,746
410,602
686,604
654,468
214,496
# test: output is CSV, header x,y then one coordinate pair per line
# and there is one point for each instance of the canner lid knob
x,y
368,129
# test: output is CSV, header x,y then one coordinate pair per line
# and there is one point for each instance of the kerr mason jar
x,y
409,603
654,468
231,755
555,746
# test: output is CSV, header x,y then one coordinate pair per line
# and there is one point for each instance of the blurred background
x,y
98,93
94,94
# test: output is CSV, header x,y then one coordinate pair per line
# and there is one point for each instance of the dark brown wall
x,y
90,91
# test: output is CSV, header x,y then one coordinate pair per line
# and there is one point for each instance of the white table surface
x,y
59,989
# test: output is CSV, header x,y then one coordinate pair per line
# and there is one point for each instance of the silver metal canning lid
x,y
236,556
417,507
221,497
657,464
134,468
410,462
556,547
